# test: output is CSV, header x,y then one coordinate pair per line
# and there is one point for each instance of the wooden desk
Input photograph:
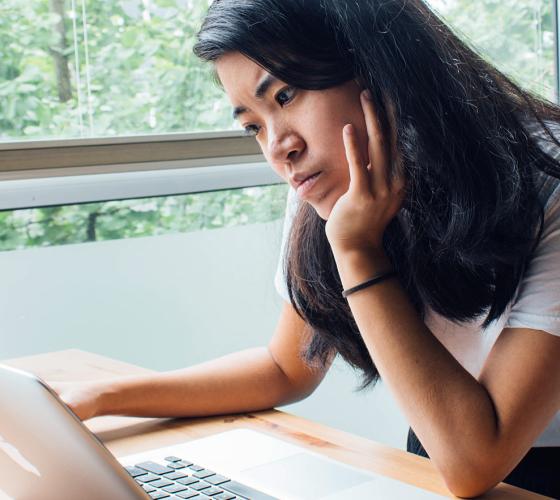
x,y
127,435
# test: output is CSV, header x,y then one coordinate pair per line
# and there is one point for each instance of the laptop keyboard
x,y
177,478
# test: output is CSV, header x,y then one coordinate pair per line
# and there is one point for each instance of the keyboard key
x,y
199,486
162,483
212,491
176,465
186,463
245,491
225,496
176,475
204,473
154,467
172,459
147,478
215,479
135,471
188,480
189,494
196,468
147,488
159,494
174,488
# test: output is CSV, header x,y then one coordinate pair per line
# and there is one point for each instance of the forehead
x,y
239,75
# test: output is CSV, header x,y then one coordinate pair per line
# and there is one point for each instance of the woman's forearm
x,y
243,381
448,408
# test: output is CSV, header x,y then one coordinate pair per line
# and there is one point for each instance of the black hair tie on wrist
x,y
368,283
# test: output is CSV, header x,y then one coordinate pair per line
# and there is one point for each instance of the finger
x,y
359,175
377,147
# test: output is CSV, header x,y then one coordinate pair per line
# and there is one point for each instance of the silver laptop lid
x,y
46,452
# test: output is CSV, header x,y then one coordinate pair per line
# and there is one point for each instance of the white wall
x,y
170,301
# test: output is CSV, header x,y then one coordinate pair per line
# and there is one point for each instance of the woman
x,y
426,187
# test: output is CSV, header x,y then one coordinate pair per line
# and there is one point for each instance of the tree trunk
x,y
59,53
91,226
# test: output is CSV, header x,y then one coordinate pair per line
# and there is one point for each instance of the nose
x,y
284,146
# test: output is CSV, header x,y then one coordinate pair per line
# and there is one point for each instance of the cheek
x,y
327,124
330,144
323,129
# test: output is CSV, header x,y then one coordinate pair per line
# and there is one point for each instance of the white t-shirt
x,y
536,304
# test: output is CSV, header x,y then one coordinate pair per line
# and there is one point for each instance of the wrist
x,y
105,402
357,266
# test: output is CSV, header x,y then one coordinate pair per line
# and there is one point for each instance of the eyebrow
x,y
260,92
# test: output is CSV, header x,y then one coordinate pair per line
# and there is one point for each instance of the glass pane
x,y
123,219
198,283
90,265
83,68
516,35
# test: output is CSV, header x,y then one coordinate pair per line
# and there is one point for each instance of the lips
x,y
299,179
305,187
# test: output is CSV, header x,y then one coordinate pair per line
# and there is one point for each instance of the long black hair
x,y
465,134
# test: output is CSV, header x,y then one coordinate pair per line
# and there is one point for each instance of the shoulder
x,y
537,301
548,186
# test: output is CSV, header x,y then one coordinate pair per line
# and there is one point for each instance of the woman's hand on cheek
x,y
359,217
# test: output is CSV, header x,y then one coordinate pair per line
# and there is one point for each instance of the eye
x,y
285,95
252,130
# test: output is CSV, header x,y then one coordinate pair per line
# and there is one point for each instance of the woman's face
x,y
299,131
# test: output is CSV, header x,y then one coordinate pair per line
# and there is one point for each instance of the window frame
x,y
52,158
73,190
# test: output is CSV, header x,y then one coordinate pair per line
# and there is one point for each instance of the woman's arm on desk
x,y
249,380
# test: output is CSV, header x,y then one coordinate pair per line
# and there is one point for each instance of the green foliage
x,y
111,220
516,35
142,77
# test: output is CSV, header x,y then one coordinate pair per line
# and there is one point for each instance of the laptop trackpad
x,y
304,476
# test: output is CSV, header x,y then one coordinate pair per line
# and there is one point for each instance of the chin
x,y
324,206
323,210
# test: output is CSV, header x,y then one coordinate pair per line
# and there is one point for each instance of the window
x,y
162,282
516,35
144,217
85,68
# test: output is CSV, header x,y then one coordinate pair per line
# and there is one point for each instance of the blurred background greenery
x,y
124,68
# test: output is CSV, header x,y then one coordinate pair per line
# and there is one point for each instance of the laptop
x,y
47,453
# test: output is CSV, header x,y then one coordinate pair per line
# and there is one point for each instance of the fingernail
x,y
366,94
